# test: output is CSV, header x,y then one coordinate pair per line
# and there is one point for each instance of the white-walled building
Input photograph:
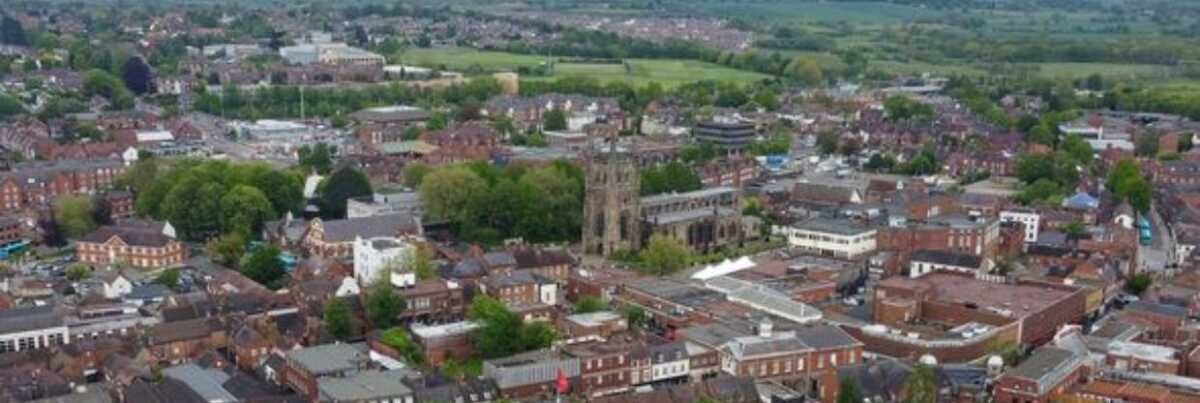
x,y
28,328
927,261
837,238
374,257
1030,218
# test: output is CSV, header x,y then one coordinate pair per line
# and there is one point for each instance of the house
x,y
433,300
813,352
382,258
28,328
1028,218
1047,372
184,340
305,367
443,342
532,374
138,244
335,238
114,284
926,261
605,367
828,237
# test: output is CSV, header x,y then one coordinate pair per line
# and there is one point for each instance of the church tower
x,y
611,205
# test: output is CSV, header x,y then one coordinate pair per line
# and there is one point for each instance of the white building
x,y
28,328
837,238
1031,219
114,284
927,261
381,256
330,53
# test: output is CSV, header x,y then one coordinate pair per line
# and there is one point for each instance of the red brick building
x,y
38,183
465,143
1048,372
139,244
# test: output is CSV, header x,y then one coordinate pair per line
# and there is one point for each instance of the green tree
x,y
921,385
635,316
1077,148
664,255
554,120
284,190
227,249
1139,283
137,76
337,318
498,326
1044,191
848,391
1125,180
420,263
168,278
141,175
451,193
399,339
265,267
10,106
590,304
437,121
11,32
671,177
902,108
74,215
318,158
78,271
414,174
805,71
346,183
244,209
828,141
383,304
193,206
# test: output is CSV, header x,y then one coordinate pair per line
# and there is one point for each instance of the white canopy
x,y
724,268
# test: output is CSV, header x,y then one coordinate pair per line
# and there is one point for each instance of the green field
x,y
665,71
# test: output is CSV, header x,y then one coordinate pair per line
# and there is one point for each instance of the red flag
x,y
561,382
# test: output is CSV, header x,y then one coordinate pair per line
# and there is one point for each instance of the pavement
x,y
1156,256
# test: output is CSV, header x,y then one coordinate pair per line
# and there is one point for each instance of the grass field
x,y
665,71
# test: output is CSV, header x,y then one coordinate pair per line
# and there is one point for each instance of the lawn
x,y
669,72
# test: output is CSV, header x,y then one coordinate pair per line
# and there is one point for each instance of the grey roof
x,y
689,215
516,278
205,382
148,291
832,226
531,368
500,259
390,114
366,385
883,379
764,298
29,318
1047,366
94,394
369,227
329,358
947,258
169,390
130,235
758,346
823,337
1159,309
712,334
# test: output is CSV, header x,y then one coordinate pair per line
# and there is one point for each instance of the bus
x,y
1144,234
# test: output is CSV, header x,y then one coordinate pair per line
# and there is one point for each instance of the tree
x,y
671,177
450,193
498,326
193,206
805,71
420,264
318,158
284,190
437,121
1074,229
11,32
244,209
590,304
227,249
502,333
414,174
337,318
1139,283
1077,148
921,385
74,214
1043,191
635,316
346,183
664,255
1125,180
10,106
265,267
828,141
137,76
168,278
399,339
78,271
554,120
383,304
101,211
901,108
848,391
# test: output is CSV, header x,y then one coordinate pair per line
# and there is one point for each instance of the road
x,y
1158,255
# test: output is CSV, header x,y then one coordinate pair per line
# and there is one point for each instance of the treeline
x,y
204,198
608,45
487,204
936,45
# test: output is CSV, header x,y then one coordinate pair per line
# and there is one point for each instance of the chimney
x,y
764,327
